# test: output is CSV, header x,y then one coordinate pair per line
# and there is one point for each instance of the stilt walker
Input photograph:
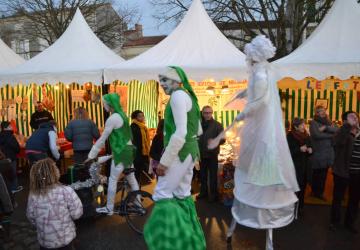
x,y
264,177
117,129
173,224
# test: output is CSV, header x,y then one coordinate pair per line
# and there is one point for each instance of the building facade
x,y
14,31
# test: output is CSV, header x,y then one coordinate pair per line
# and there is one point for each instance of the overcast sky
x,y
148,22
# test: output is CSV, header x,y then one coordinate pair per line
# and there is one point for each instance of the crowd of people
x,y
328,146
181,138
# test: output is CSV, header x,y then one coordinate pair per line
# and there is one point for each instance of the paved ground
x,y
309,233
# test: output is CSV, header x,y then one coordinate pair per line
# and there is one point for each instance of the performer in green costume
x,y
118,131
174,223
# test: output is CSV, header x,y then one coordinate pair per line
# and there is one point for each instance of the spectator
x,y
52,207
7,175
157,145
300,149
287,126
6,206
346,171
141,141
10,147
322,133
81,132
209,158
42,143
40,116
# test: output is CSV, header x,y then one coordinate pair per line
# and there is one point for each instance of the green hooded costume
x,y
173,224
121,151
191,145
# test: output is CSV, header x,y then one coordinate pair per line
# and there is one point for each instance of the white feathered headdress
x,y
260,49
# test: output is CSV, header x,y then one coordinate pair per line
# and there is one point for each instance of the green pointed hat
x,y
184,80
113,100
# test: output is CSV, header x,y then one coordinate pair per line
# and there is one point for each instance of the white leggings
x,y
176,182
112,183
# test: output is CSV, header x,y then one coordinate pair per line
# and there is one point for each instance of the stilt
x,y
269,240
230,230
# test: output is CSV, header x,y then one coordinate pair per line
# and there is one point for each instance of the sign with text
x,y
327,84
216,94
77,95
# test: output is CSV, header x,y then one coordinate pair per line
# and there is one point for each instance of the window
x,y
21,47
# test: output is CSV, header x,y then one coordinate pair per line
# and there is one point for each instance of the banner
x,y
327,84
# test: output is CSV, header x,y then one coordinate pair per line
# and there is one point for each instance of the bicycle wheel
x,y
137,212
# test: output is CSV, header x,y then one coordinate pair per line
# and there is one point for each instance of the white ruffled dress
x,y
265,179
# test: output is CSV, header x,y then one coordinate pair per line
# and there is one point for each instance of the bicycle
x,y
135,206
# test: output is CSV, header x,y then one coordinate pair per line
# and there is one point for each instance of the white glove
x,y
240,117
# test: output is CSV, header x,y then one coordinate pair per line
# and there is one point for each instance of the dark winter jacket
x,y
137,141
140,161
39,140
81,133
300,159
343,141
9,145
40,117
157,147
323,148
211,129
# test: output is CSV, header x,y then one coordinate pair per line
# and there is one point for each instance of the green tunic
x,y
121,151
191,145
174,224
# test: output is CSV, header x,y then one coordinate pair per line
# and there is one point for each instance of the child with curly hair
x,y
52,207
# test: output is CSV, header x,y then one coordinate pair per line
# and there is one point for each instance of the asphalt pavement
x,y
309,232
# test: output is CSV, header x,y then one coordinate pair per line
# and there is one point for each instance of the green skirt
x,y
174,225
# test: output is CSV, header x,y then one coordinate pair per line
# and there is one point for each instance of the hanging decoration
x,y
88,92
47,101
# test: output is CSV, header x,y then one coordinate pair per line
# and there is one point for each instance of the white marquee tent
x,y
77,56
196,44
8,58
332,50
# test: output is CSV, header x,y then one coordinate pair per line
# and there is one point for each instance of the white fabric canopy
x,y
332,49
196,45
8,58
77,56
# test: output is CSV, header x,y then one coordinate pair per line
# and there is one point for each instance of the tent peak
x,y
196,44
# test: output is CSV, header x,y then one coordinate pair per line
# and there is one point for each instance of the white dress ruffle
x,y
265,179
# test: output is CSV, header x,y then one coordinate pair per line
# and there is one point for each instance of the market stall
x,y
213,64
299,98
326,66
66,75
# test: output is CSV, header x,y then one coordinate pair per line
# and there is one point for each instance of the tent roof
x,y
332,49
77,56
8,58
196,45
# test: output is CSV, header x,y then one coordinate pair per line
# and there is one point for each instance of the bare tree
x,y
48,20
274,18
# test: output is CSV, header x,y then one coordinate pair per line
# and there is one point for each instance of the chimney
x,y
139,30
